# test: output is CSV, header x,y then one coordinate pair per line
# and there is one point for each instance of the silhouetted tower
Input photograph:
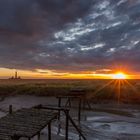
x,y
16,75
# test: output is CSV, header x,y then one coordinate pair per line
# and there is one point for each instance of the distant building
x,y
15,77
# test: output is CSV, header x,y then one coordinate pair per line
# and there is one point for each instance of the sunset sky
x,y
69,38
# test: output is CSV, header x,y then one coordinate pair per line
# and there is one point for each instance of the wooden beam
x,y
67,125
38,136
59,116
76,127
10,109
49,131
79,110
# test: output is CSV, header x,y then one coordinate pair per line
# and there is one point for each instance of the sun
x,y
119,75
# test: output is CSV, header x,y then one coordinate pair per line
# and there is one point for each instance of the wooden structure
x,y
26,123
68,119
68,103
75,94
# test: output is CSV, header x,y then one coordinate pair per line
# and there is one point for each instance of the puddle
x,y
116,127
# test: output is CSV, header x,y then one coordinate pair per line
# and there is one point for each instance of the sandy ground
x,y
96,125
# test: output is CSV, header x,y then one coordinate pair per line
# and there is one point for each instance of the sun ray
x,y
132,87
118,83
119,91
114,85
101,88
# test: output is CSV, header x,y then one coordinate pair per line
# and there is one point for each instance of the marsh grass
x,y
63,87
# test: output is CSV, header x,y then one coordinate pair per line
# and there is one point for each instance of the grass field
x,y
97,90
105,120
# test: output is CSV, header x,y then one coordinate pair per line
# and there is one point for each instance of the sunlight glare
x,y
119,75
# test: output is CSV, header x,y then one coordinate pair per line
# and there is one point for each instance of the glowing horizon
x,y
120,75
47,74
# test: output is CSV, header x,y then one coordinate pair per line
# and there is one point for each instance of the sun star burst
x,y
119,75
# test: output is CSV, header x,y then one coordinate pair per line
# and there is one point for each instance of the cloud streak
x,y
69,36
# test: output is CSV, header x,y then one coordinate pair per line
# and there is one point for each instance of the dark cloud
x,y
66,35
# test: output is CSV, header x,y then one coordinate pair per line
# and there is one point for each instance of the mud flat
x,y
103,122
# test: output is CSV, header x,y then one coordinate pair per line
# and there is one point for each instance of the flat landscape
x,y
125,91
114,113
81,56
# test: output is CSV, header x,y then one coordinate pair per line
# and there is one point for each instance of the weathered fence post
x,y
49,131
10,109
38,136
79,110
67,124
59,115
15,137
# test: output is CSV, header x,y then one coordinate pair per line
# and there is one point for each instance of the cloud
x,y
70,36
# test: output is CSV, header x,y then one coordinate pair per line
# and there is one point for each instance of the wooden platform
x,y
25,123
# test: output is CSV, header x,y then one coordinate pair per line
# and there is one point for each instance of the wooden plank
x,y
4,137
25,122
49,131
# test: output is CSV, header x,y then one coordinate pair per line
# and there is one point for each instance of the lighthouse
x,y
15,77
